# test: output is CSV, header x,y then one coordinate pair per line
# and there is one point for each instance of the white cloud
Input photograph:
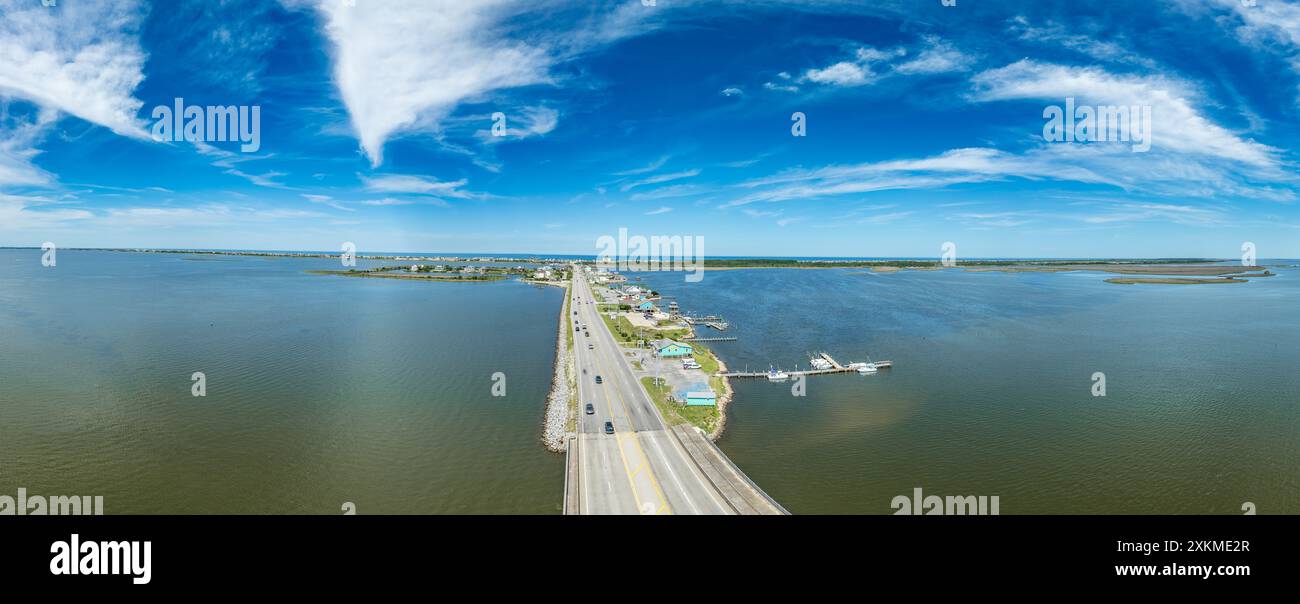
x,y
659,210
661,178
732,91
404,65
1162,212
17,148
654,165
1089,44
844,73
1265,23
1176,124
952,167
83,58
869,65
885,218
327,201
421,185
23,214
530,122
855,72
780,87
937,57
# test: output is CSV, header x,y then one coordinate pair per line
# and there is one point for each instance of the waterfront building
x,y
671,349
697,395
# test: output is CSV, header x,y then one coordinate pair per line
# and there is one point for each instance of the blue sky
x,y
924,125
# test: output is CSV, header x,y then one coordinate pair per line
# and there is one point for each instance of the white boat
x,y
820,363
867,368
776,375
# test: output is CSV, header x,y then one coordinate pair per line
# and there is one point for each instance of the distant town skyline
x,y
780,128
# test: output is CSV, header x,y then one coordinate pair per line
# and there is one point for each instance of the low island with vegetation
x,y
429,272
1159,270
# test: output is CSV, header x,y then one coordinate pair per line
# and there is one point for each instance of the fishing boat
x,y
776,375
866,368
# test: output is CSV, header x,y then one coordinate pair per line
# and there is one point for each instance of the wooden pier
x,y
763,374
830,360
725,339
835,368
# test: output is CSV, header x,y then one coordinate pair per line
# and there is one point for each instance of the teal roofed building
x,y
697,395
647,305
671,349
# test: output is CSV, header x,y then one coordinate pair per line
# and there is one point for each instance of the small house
x,y
698,395
671,349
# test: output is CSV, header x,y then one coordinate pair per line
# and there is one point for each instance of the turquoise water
x,y
320,389
991,389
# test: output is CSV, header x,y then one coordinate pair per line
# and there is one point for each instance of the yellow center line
x,y
659,493
631,480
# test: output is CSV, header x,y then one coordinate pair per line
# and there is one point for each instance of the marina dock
x,y
835,367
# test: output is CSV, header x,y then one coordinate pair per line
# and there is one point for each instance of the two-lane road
x,y
641,468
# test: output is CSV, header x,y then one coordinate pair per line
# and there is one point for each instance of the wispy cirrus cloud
x,y
403,66
528,123
661,178
1089,44
81,58
417,185
1177,124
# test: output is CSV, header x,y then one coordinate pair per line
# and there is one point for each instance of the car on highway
x,y
591,346
599,381
609,427
590,409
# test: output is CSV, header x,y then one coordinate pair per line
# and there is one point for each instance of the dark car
x,y
590,409
599,381
576,328
609,427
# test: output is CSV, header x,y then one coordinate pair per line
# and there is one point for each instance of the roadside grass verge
x,y
705,418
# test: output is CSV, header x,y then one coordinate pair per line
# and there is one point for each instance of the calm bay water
x,y
990,393
326,389
320,389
